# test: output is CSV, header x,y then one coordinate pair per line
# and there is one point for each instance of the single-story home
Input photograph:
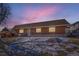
x,y
46,28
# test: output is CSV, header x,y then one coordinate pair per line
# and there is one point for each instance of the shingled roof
x,y
45,23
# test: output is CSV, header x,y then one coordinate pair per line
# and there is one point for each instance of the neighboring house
x,y
74,30
76,25
46,28
6,33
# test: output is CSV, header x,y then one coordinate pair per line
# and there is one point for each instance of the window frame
x,y
21,31
52,29
38,30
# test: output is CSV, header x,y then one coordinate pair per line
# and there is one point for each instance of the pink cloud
x,y
33,15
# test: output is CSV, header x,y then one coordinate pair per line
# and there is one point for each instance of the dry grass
x,y
9,40
74,40
45,54
62,53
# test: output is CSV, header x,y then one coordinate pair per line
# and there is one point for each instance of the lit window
x,y
51,29
21,31
38,30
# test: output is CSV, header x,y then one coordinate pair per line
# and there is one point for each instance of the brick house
x,y
46,28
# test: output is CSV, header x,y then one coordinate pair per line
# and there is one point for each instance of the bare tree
x,y
4,12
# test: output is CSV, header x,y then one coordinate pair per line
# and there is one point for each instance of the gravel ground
x,y
43,47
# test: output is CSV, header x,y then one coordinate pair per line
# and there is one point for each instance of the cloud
x,y
33,15
12,23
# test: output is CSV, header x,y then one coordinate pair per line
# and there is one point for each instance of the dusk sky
x,y
29,13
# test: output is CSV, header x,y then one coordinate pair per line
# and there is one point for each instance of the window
x,y
51,29
21,31
38,30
